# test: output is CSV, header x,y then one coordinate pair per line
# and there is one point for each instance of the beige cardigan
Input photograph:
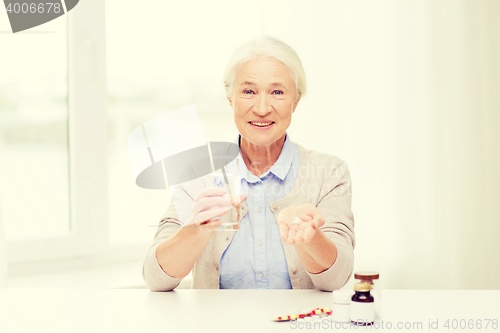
x,y
323,180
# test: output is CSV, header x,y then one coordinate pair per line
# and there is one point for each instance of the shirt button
x,y
259,243
216,268
261,274
259,210
227,239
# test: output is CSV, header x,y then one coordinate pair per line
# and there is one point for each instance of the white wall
x,y
407,93
3,259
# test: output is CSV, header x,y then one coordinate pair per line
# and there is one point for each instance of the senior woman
x,y
281,181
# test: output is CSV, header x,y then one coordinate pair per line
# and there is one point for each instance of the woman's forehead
x,y
261,69
272,82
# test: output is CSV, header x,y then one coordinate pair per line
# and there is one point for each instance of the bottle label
x,y
362,312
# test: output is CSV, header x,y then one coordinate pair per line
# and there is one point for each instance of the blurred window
x,y
174,54
34,182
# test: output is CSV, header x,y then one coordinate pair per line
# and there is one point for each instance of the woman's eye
x,y
278,92
247,92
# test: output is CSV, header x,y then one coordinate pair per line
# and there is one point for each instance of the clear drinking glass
x,y
232,183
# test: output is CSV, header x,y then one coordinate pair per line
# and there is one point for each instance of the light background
x,y
405,91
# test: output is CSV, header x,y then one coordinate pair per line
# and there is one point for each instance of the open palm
x,y
303,229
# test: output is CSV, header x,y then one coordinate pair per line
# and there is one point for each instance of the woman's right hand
x,y
208,207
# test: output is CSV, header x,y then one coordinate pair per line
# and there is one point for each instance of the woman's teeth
x,y
261,124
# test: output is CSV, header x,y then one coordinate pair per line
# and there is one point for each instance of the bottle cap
x,y
363,286
366,275
342,296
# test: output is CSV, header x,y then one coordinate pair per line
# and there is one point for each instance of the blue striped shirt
x,y
255,258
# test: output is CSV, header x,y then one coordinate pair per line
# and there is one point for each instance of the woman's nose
x,y
263,106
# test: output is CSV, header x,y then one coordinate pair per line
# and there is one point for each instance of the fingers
x,y
210,214
210,225
311,219
208,203
237,199
283,228
214,197
291,235
242,198
218,192
305,216
318,221
308,234
208,198
205,216
211,192
299,236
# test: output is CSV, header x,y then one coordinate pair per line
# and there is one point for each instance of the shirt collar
x,y
279,169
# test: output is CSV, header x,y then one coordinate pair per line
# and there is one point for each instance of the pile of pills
x,y
305,315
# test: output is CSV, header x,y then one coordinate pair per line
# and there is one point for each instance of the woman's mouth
x,y
261,124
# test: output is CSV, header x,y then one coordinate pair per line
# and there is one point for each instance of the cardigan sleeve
x,y
335,205
176,215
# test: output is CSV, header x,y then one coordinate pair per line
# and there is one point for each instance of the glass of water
x,y
232,184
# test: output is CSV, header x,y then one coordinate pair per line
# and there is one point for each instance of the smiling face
x,y
263,98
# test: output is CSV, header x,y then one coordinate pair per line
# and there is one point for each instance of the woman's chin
x,y
261,140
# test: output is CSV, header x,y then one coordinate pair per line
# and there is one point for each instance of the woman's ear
x,y
296,103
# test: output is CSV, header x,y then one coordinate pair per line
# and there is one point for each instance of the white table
x,y
139,310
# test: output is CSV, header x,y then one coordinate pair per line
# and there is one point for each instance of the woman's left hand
x,y
299,224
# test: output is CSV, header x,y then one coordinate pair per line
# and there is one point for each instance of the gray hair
x,y
266,46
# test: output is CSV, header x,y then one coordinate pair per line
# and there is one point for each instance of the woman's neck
x,y
259,159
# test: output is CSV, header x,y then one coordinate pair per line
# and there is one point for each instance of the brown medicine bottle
x,y
362,305
371,278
